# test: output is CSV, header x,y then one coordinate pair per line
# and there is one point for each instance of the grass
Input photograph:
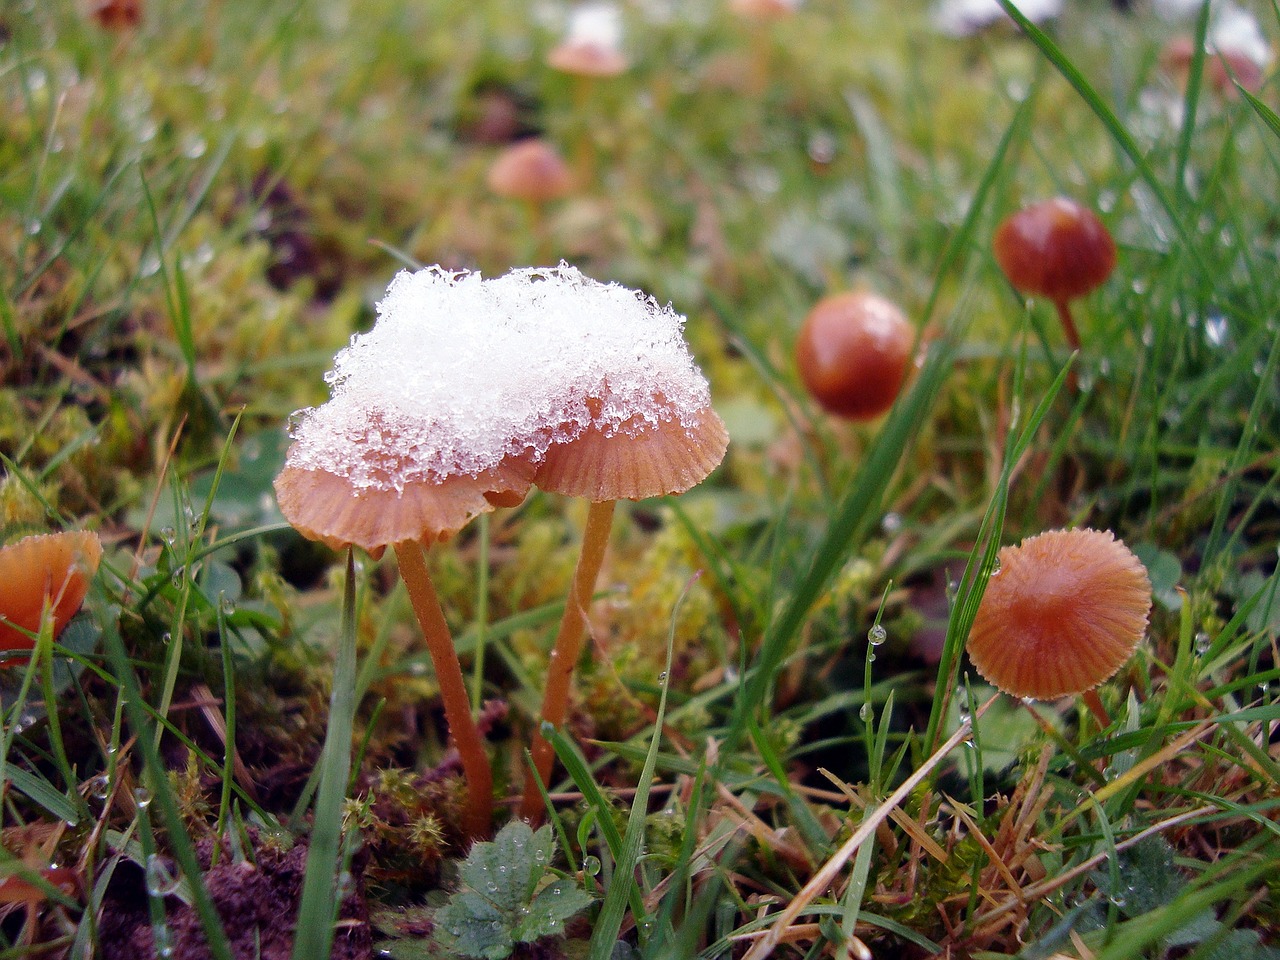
x,y
196,215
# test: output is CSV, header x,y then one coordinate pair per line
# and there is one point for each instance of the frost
x,y
460,373
595,25
960,18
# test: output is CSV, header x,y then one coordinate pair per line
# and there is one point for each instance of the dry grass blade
x,y
831,869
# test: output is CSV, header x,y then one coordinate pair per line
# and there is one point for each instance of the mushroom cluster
x,y
466,392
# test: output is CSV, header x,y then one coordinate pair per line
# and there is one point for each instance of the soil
x,y
257,902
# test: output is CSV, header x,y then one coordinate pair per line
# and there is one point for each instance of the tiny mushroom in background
x,y
117,15
1057,249
852,354
638,423
764,9
1062,612
532,172
592,45
1224,65
48,571
963,18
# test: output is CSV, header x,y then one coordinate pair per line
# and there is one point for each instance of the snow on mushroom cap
x,y
460,373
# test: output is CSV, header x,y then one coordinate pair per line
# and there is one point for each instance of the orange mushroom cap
x,y
1062,614
1057,249
530,170
587,59
640,458
326,505
853,352
51,569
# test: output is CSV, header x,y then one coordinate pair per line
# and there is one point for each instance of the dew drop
x,y
1203,642
877,635
591,866
865,713
142,797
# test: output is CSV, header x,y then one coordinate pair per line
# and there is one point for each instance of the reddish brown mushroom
x,y
1057,249
1063,612
852,353
531,170
50,571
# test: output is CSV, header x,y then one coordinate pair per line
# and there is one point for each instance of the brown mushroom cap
x,y
1057,249
587,59
852,353
53,568
331,509
764,9
1064,612
530,170
638,459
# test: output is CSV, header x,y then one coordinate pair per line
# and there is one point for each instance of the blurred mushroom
x,y
532,172
648,430
1057,249
1061,613
852,354
45,572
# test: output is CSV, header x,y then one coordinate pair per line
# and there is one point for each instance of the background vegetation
x,y
196,213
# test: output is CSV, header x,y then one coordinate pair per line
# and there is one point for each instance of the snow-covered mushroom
x,y
592,44
47,572
1062,614
642,426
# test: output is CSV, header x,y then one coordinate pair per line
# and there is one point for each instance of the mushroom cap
x,y
1063,614
587,59
54,568
852,353
641,458
1056,248
330,508
764,9
530,170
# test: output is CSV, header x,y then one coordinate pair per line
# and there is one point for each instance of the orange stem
x,y
1094,703
564,656
1072,335
478,818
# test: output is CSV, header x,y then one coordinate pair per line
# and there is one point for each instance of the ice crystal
x,y
460,372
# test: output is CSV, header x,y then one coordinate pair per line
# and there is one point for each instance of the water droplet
x,y
1215,330
555,891
540,857
169,535
160,881
1203,642
491,887
142,797
865,713
591,866
871,658
877,635
100,787
662,677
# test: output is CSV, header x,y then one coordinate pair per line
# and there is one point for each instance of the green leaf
x,y
509,895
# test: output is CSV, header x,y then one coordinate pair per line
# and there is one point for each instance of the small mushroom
x,y
592,45
44,572
1057,249
1062,613
648,430
852,353
532,172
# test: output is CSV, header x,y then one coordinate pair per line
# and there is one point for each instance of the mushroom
x,y
1057,249
853,352
43,572
590,51
533,172
1062,612
416,440
592,45
645,428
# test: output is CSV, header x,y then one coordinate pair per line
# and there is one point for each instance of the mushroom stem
x,y
478,818
1095,705
565,653
1068,324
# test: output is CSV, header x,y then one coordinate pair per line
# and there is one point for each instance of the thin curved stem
x,y
1072,335
478,819
568,647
